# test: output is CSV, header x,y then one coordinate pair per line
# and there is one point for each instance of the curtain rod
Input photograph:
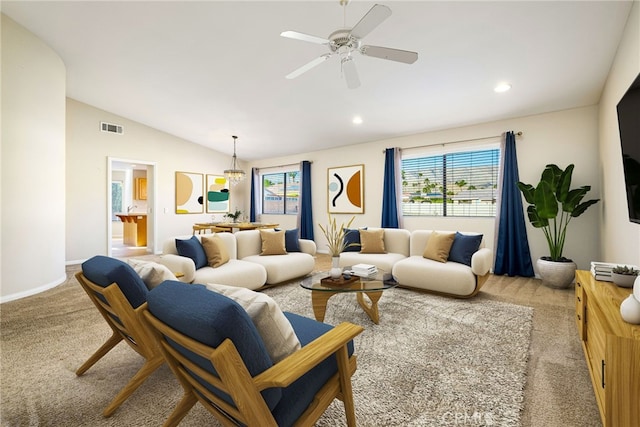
x,y
281,166
519,133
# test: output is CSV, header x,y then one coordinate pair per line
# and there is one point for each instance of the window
x,y
280,192
116,199
451,184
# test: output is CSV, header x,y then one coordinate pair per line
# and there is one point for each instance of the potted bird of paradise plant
x,y
552,206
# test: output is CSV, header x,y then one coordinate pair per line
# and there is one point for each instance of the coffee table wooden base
x,y
319,303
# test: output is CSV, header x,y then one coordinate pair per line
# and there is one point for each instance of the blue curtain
x,y
255,190
512,248
390,208
305,215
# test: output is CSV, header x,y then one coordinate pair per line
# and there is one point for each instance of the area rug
x,y
432,361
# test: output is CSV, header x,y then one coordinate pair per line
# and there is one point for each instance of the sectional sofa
x,y
246,267
404,256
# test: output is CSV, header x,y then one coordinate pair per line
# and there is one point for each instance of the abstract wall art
x,y
217,192
345,191
189,192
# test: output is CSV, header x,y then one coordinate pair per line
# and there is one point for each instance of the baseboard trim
x,y
20,295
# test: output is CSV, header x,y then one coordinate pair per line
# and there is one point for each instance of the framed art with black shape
x,y
345,189
217,194
189,198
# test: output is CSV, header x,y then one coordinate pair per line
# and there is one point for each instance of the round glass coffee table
x,y
322,288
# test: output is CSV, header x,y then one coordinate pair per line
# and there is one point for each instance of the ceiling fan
x,y
345,41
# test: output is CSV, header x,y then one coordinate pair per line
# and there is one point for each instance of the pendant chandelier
x,y
234,175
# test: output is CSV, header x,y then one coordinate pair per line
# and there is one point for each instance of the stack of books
x,y
602,271
364,270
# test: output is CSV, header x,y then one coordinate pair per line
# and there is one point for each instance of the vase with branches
x,y
336,243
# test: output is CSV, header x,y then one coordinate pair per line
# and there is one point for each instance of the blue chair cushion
x,y
463,247
352,239
192,248
299,395
210,318
103,271
291,240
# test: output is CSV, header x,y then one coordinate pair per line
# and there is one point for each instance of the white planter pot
x,y
623,280
557,275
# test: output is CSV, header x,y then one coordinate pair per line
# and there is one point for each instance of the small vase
x,y
335,271
630,310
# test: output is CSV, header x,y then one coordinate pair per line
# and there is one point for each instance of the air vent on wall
x,y
111,128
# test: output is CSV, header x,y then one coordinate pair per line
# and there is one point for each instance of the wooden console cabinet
x,y
612,349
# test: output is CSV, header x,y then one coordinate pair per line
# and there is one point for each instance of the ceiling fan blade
x,y
398,55
304,37
309,65
371,20
350,73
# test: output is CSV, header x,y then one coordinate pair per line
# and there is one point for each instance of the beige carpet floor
x,y
557,391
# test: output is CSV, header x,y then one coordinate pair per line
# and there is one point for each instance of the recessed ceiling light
x,y
357,120
502,87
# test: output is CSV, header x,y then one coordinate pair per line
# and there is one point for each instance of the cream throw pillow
x,y
151,273
372,241
273,242
275,329
215,249
438,246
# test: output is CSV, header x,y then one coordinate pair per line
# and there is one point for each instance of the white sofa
x,y
404,259
396,243
246,268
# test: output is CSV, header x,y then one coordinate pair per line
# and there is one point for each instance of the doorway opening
x,y
131,218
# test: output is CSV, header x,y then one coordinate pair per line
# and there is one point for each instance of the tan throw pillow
x,y
151,273
214,247
275,329
438,246
273,242
372,241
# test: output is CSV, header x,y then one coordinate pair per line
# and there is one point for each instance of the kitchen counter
x,y
135,228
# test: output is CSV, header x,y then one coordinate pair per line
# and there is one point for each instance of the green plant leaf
x,y
535,219
545,200
564,183
551,175
528,191
574,197
579,210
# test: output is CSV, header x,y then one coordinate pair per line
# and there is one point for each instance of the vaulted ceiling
x,y
206,70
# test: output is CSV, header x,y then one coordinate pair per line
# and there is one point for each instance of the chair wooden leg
x,y
181,410
342,357
147,369
104,349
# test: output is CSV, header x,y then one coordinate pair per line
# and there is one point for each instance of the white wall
x,y
87,180
620,237
548,138
33,163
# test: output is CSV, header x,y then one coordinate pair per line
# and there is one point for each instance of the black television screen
x,y
629,125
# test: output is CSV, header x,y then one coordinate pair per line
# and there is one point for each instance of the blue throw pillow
x,y
291,240
352,239
192,248
463,247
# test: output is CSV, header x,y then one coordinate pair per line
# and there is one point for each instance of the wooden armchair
x,y
218,356
119,295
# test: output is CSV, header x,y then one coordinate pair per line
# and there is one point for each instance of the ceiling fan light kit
x,y
344,42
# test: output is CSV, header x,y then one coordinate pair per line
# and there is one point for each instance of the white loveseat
x,y
246,267
405,260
